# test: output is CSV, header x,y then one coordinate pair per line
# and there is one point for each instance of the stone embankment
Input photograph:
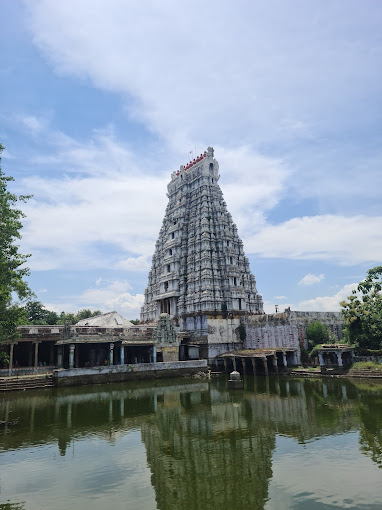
x,y
107,374
362,373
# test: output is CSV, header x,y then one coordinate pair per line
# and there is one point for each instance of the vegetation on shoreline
x,y
372,366
362,312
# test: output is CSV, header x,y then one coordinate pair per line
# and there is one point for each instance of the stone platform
x,y
117,373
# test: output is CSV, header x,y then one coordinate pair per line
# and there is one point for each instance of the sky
x,y
100,101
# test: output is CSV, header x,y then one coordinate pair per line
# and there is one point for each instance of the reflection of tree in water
x,y
12,506
370,436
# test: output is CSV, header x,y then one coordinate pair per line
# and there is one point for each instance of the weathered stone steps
x,y
26,383
365,373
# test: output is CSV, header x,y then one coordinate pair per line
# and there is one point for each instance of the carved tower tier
x,y
199,267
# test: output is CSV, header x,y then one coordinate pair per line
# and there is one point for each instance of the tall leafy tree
x,y
317,333
38,314
363,312
12,263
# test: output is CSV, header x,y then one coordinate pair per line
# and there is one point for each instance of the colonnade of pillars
x,y
33,355
338,354
263,360
73,355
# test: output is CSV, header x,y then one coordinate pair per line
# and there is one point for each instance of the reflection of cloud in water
x,y
325,474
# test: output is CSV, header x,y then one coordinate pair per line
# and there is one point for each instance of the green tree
x,y
317,333
51,317
362,312
38,314
12,263
86,313
73,318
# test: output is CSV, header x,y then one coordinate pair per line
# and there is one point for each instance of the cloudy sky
x,y
102,99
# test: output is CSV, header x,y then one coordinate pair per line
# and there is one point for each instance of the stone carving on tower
x,y
199,267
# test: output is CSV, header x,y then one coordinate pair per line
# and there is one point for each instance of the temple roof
x,y
106,320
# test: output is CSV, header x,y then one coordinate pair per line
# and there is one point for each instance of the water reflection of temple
x,y
207,457
206,447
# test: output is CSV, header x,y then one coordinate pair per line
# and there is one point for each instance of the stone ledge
x,y
118,373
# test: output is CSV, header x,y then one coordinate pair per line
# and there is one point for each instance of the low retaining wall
x,y
116,373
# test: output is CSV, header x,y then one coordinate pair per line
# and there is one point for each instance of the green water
x,y
192,444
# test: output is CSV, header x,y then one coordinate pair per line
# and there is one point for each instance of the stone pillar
x,y
265,365
243,365
225,365
30,355
51,354
111,354
275,366
60,349
154,354
122,362
339,358
71,355
321,359
10,358
36,354
344,392
285,364
76,357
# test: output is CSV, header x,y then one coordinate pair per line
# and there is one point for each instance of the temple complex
x,y
201,301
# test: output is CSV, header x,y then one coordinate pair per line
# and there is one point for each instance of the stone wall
x,y
287,329
170,354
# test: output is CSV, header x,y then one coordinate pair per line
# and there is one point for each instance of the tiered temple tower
x,y
199,267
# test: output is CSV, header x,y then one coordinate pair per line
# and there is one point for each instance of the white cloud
x,y
280,298
270,307
107,201
107,296
251,183
180,81
310,279
35,125
346,240
137,264
113,295
327,303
